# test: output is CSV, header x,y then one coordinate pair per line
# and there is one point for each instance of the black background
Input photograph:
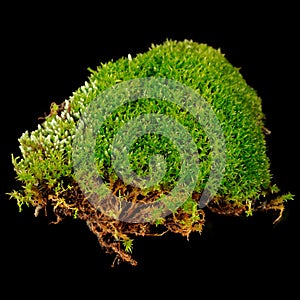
x,y
45,55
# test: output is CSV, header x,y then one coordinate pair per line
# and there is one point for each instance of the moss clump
x,y
45,167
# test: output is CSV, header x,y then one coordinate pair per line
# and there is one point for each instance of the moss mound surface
x,y
45,167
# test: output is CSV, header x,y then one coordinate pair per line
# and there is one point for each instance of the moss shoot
x,y
44,167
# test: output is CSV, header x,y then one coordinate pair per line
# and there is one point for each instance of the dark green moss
x,y
45,169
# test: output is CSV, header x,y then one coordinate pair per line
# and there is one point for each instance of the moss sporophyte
x,y
148,145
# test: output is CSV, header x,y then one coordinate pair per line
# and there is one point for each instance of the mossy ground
x,y
45,171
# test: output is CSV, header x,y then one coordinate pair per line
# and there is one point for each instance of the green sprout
x,y
45,171
128,244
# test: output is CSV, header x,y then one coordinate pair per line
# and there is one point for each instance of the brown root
x,y
110,232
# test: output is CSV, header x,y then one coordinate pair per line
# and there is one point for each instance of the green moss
x,y
45,168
